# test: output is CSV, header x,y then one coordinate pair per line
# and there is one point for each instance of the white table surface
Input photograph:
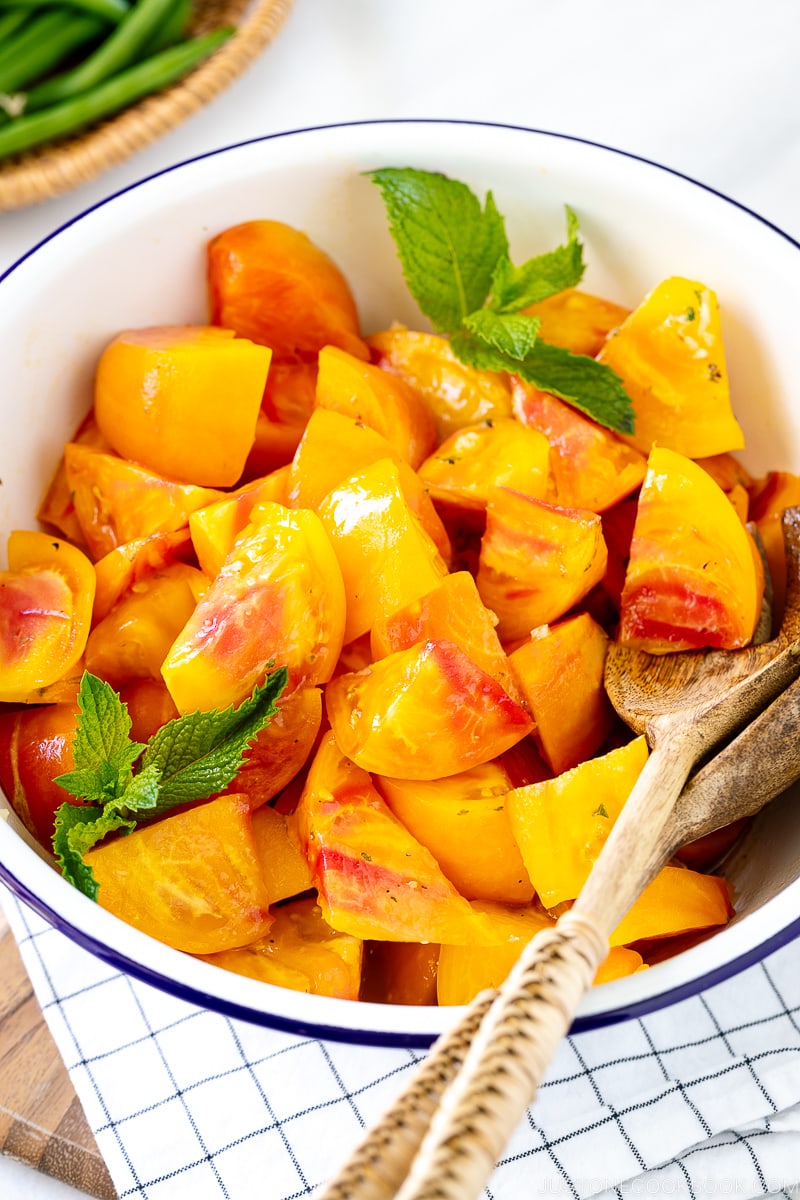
x,y
709,87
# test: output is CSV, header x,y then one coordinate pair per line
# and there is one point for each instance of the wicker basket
x,y
51,169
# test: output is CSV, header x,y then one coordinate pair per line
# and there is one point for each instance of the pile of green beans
x,y
65,64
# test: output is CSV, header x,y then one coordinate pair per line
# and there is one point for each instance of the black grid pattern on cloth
x,y
248,1112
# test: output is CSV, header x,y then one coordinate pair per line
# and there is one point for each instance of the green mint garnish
x,y
189,758
455,260
448,246
514,288
600,812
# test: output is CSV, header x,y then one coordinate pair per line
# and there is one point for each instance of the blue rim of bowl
x,y
420,1040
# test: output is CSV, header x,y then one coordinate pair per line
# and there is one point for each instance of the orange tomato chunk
x,y
130,564
463,822
536,560
386,557
464,971
284,867
592,468
216,527
191,880
475,459
670,356
375,880
46,598
560,825
560,674
301,952
457,395
282,747
577,320
378,399
118,501
278,599
182,400
400,973
694,578
423,713
677,901
269,282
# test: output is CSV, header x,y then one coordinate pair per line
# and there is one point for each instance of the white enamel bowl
x,y
138,259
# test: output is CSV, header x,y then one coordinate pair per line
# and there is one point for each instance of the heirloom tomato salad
x,y
302,671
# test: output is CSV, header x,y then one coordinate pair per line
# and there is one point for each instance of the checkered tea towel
x,y
701,1099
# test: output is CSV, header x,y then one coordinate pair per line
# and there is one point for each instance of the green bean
x,y
10,22
173,29
43,44
119,50
112,10
126,88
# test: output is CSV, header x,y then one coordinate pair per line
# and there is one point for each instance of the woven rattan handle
x,y
381,1162
506,1062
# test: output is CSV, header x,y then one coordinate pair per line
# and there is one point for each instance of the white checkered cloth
x,y
701,1099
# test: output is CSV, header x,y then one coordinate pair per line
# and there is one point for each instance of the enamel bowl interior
x,y
138,259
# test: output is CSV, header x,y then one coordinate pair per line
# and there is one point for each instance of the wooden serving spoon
x,y
474,1087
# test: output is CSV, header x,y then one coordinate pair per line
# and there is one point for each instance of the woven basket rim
x,y
41,174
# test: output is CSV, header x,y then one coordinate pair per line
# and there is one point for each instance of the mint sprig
x,y
448,245
190,758
455,259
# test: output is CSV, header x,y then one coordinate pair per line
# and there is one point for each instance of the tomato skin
x,y
278,599
46,598
35,747
269,282
695,578
423,713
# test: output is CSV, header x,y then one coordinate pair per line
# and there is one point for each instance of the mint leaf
x,y
484,355
583,382
140,796
77,829
448,246
511,336
199,753
102,749
514,288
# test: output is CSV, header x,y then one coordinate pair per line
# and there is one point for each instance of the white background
x,y
709,87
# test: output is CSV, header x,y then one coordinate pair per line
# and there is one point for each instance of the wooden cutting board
x,y
41,1120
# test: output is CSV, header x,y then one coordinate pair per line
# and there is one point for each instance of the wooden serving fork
x,y
442,1137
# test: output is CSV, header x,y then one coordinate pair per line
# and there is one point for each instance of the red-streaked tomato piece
x,y
452,612
375,880
423,713
591,467
694,578
118,501
537,561
46,598
278,599
269,282
35,747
